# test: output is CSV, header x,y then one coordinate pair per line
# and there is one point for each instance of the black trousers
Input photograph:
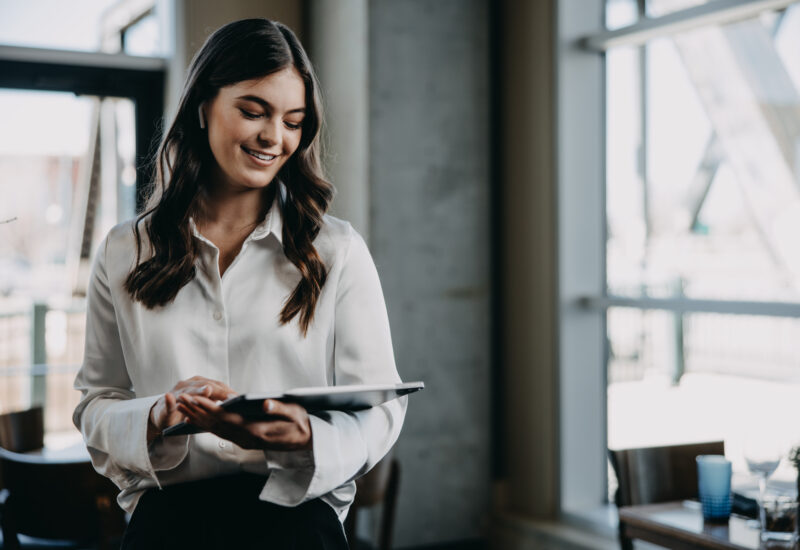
x,y
226,513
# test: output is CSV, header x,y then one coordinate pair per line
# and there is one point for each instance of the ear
x,y
201,115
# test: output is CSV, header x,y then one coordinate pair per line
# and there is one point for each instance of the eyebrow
x,y
267,105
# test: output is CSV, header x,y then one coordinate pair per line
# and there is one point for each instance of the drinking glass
x,y
779,518
714,487
763,455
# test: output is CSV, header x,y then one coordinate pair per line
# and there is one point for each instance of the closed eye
x,y
293,126
250,115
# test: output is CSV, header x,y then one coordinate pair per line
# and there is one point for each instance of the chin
x,y
256,185
259,182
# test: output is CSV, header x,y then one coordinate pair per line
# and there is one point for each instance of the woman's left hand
x,y
288,428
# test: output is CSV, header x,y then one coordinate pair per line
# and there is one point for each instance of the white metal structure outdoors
x,y
582,235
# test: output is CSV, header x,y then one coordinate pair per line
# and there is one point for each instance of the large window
x,y
77,130
137,27
703,216
53,183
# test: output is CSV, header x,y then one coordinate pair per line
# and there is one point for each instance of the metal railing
x,y
674,336
41,349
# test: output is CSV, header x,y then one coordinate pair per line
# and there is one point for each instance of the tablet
x,y
357,397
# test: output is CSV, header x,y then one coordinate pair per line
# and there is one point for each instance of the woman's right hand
x,y
164,412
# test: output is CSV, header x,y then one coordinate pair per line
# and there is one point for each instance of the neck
x,y
236,209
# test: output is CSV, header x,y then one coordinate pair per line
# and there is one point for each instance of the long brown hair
x,y
238,51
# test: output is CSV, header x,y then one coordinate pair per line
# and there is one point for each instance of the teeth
x,y
260,156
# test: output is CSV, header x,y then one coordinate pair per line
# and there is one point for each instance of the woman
x,y
234,280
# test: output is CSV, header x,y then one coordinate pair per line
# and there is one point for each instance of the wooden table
x,y
679,525
61,496
72,453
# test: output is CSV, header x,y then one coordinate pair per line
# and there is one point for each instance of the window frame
x,y
581,235
141,79
582,289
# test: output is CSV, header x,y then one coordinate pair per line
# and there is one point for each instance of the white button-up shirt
x,y
227,328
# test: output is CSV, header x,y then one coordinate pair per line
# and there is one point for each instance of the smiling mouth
x,y
260,156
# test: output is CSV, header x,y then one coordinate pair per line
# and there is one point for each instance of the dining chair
x,y
378,486
649,475
63,501
22,431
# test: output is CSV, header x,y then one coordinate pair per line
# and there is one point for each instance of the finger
x,y
210,411
283,435
157,412
191,402
169,400
224,426
218,389
187,400
204,390
207,404
222,391
289,411
190,411
175,417
196,415
276,429
170,410
194,390
162,410
185,384
213,409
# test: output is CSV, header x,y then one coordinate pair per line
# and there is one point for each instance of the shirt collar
x,y
272,223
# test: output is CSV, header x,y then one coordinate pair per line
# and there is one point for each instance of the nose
x,y
270,133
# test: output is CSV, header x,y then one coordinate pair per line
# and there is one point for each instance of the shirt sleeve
x,y
346,445
112,420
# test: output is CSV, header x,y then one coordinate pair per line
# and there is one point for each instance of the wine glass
x,y
762,454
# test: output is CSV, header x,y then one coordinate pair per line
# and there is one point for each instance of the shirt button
x,y
221,444
218,316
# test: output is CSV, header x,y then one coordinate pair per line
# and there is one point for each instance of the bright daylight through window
x,y
703,204
67,175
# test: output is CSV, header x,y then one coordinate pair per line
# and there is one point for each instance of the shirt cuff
x,y
292,473
290,460
165,453
126,433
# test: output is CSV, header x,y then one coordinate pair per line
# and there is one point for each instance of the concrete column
x,y
430,185
338,48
